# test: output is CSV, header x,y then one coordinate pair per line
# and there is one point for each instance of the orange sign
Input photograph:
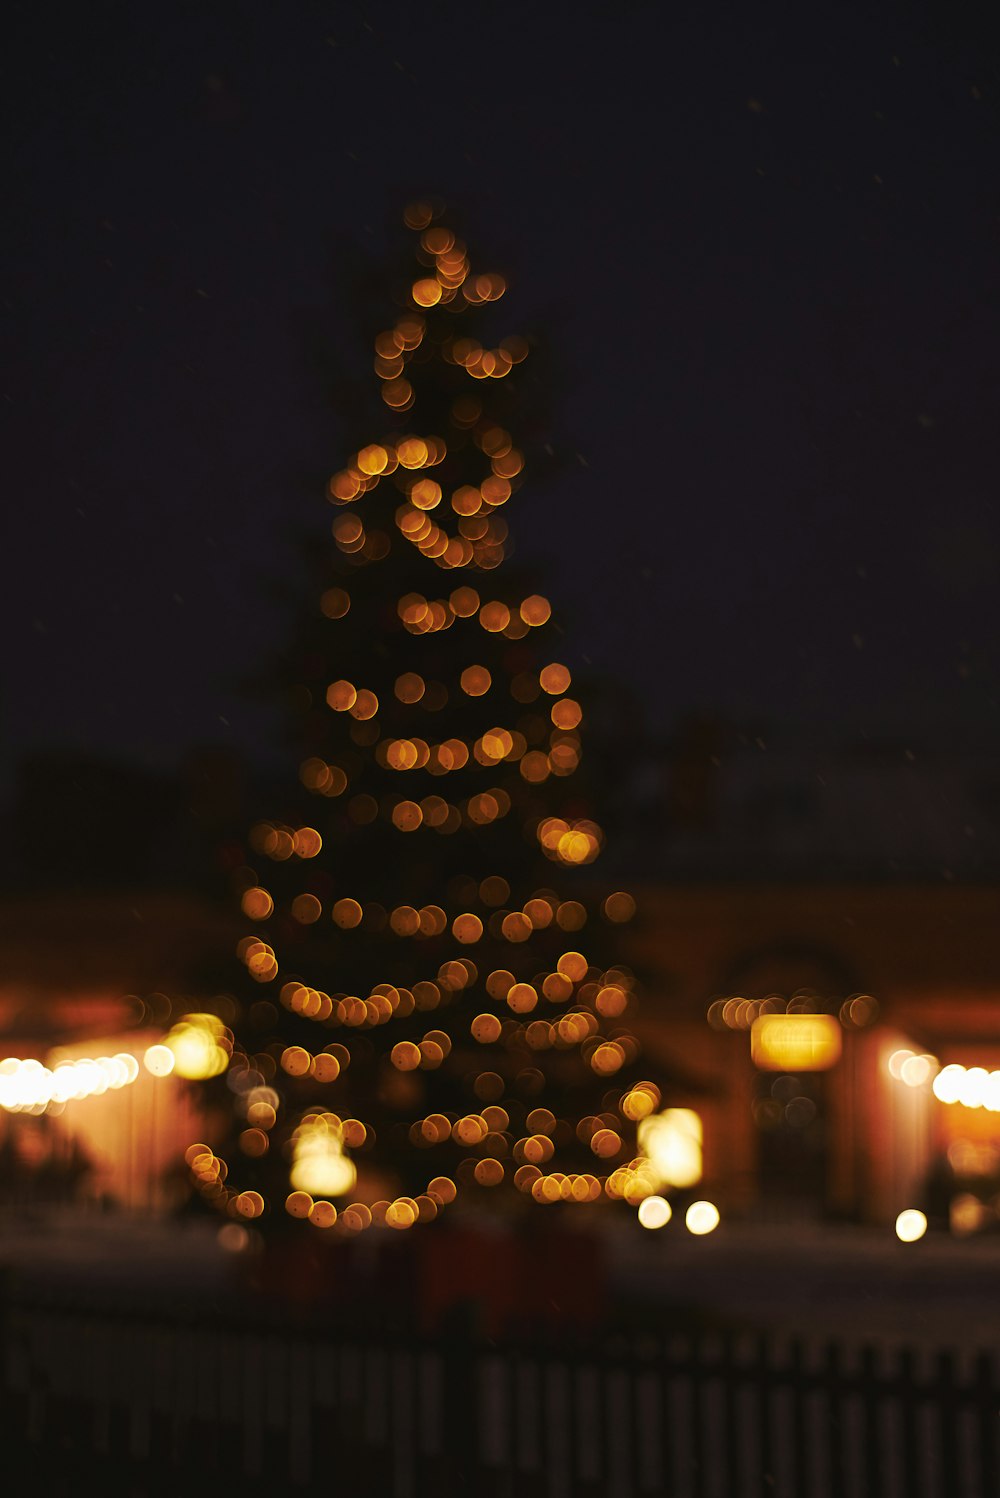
x,y
795,1042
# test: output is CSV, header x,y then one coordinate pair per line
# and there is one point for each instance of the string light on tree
x,y
431,1007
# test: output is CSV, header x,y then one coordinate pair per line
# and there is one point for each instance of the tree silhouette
x,y
430,1010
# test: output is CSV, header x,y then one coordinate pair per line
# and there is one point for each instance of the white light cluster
x,y
914,1070
671,1141
972,1086
700,1218
26,1086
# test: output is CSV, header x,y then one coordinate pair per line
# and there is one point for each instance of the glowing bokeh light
x,y
654,1212
319,1164
195,1042
910,1225
672,1142
701,1218
159,1060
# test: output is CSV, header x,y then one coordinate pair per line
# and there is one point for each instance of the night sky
x,y
761,243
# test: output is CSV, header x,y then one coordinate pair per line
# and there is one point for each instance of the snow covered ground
x,y
822,1281
812,1280
111,1251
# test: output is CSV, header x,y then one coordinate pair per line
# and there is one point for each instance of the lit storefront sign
x,y
795,1042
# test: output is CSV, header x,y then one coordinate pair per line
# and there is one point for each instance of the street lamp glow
x,y
896,1062
194,1042
701,1218
910,1225
655,1212
319,1164
947,1085
916,1070
129,1064
159,1060
671,1141
973,1089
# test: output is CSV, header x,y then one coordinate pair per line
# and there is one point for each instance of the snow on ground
x,y
804,1279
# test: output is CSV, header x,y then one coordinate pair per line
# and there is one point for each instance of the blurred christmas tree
x,y
431,1011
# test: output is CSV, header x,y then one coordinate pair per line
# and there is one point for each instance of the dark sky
x,y
762,240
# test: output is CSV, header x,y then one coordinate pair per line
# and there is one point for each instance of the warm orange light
x,y
795,1042
426,292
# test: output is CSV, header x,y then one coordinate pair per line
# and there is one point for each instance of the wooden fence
x,y
132,1404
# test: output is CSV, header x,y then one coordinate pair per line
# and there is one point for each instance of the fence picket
x,y
946,1404
907,1404
987,1420
730,1434
871,1458
764,1388
405,1417
799,1447
585,1432
836,1423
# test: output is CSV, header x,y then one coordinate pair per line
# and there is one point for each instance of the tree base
x,y
500,1279
521,1279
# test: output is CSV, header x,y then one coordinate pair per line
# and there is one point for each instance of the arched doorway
x,y
795,1115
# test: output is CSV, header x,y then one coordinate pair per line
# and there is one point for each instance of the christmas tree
x,y
431,1019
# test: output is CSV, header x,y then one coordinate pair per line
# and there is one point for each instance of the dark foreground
x,y
181,1376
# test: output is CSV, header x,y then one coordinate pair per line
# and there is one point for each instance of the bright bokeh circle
x,y
701,1218
910,1225
654,1212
